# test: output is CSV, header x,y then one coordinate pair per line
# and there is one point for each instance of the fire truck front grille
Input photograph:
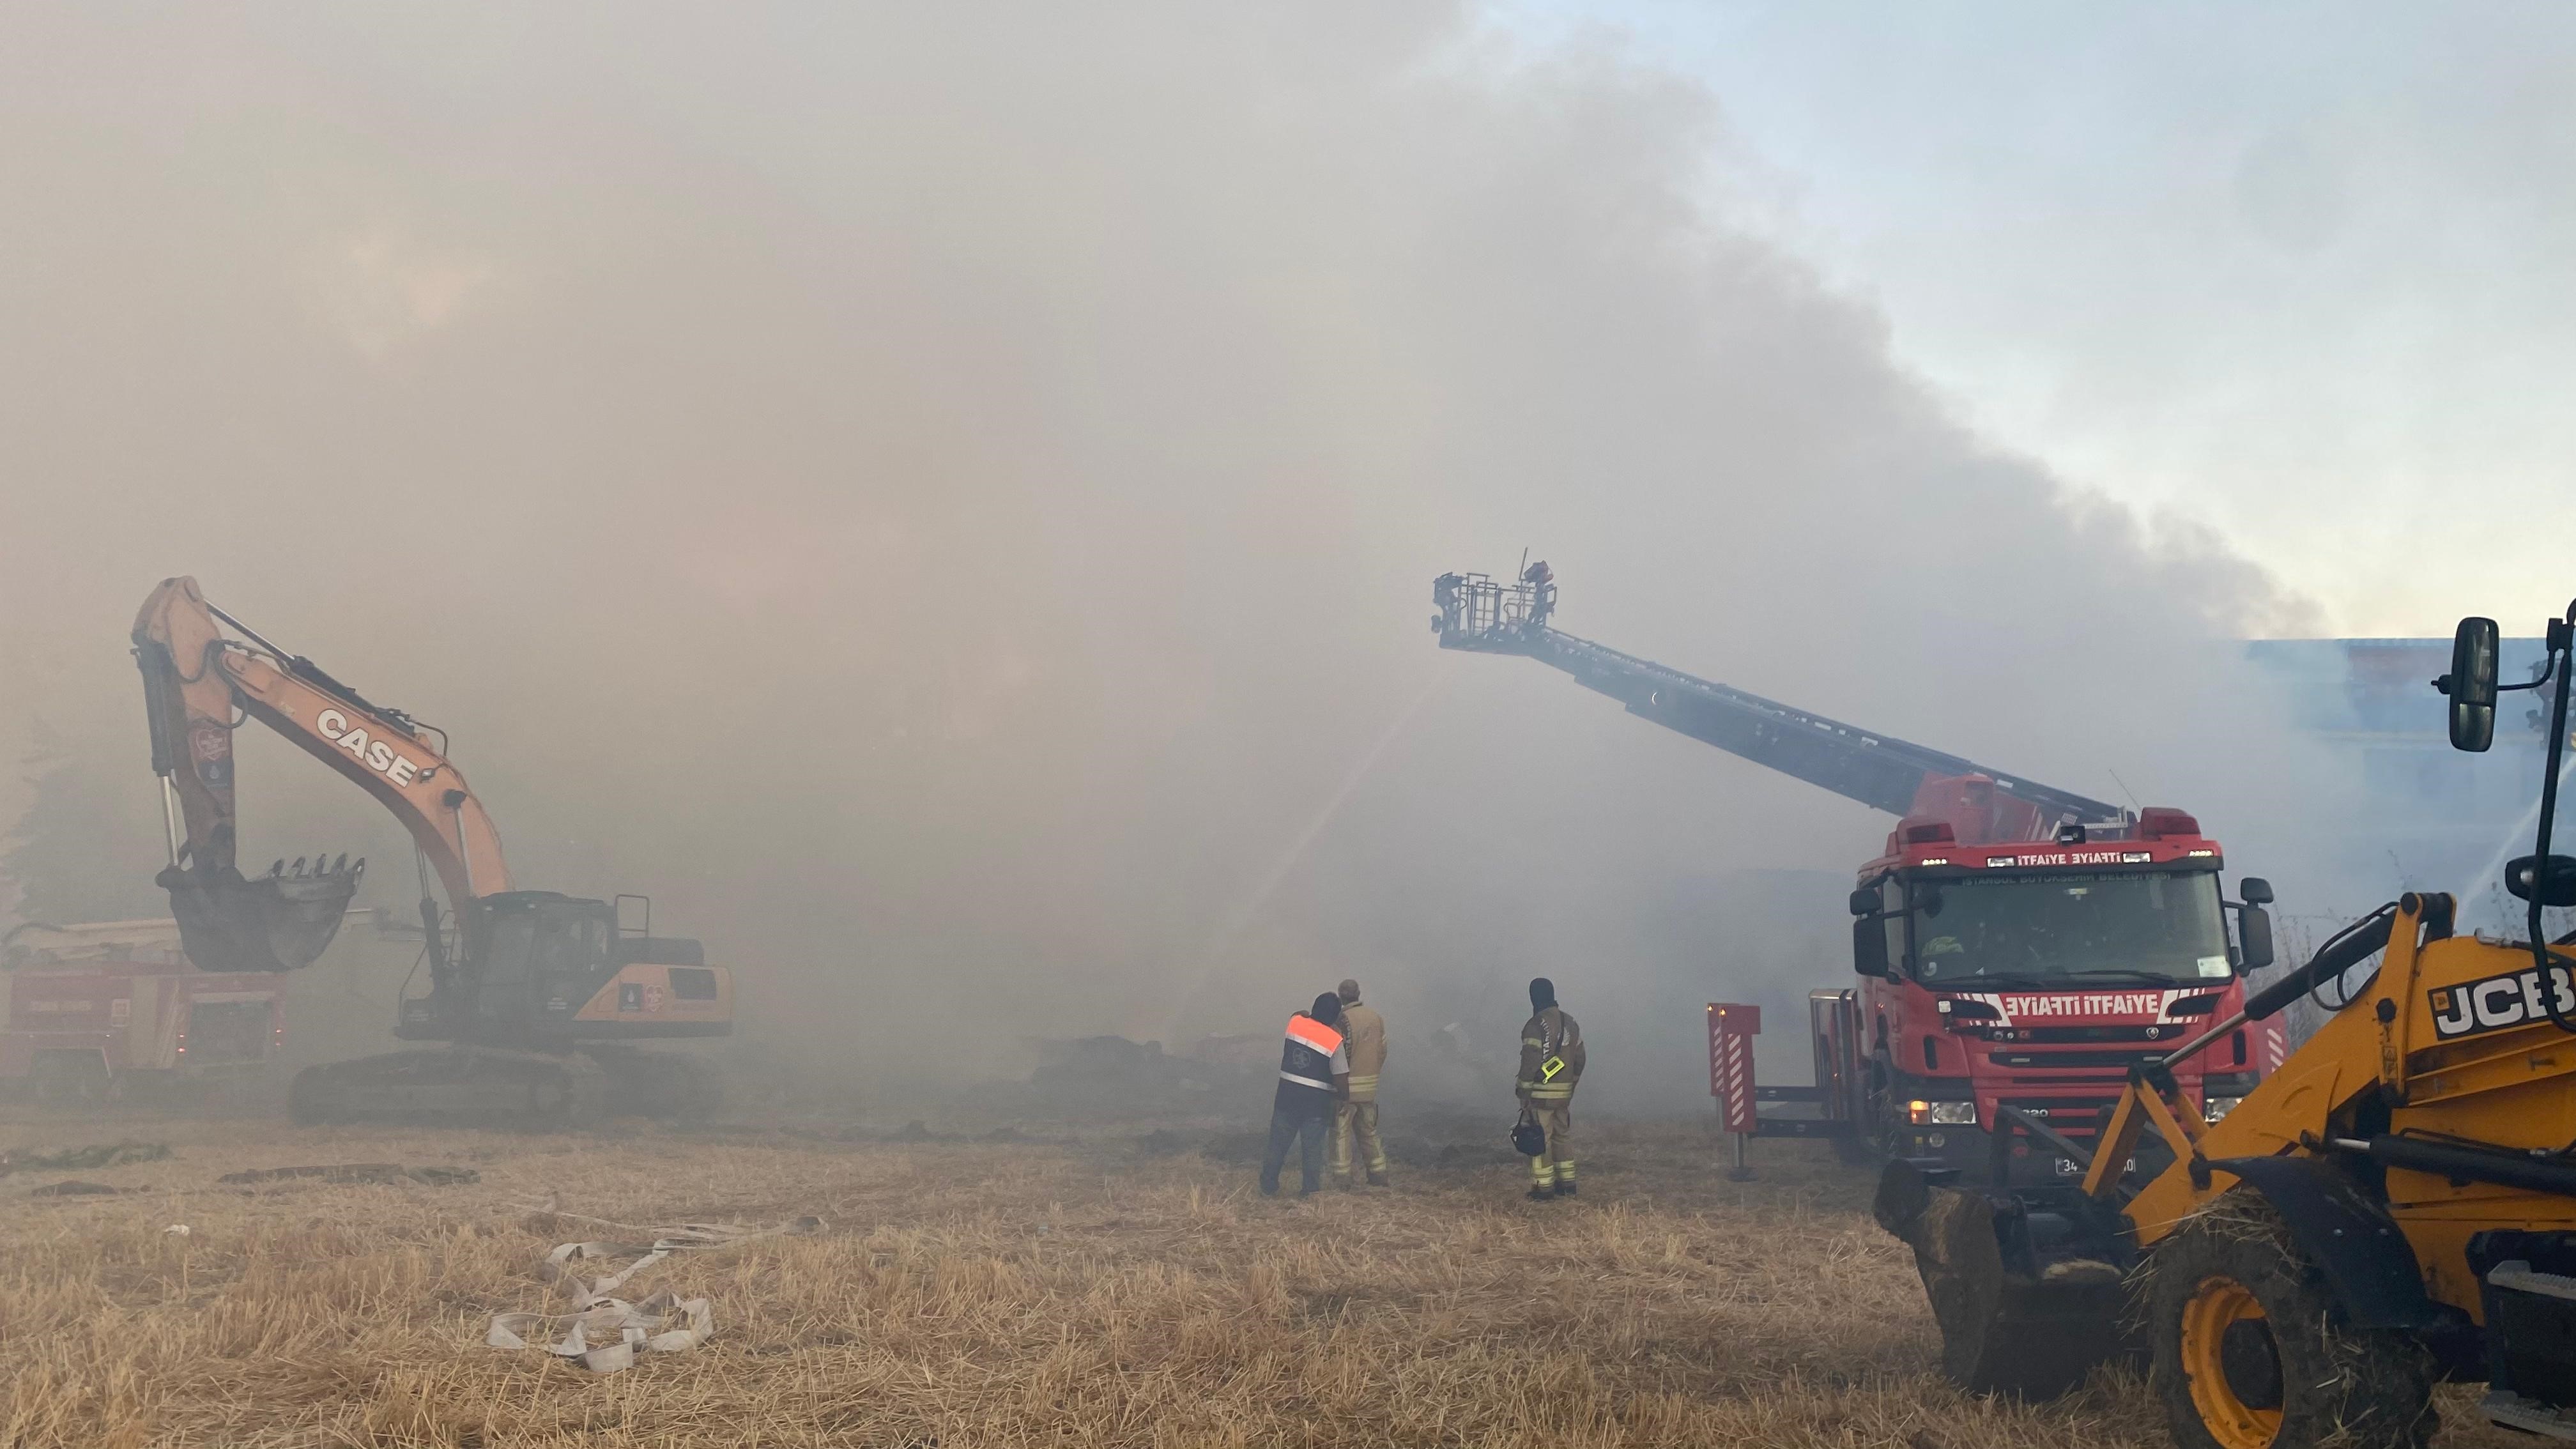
x,y
2073,1117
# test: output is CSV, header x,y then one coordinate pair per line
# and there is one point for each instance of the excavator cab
x,y
528,958
539,948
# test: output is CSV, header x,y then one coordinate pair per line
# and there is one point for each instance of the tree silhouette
x,y
76,854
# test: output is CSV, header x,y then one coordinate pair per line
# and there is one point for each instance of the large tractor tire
x,y
2251,1351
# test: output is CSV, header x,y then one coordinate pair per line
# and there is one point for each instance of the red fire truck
x,y
97,1009
2020,948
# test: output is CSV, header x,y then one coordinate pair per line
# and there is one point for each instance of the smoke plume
x,y
943,498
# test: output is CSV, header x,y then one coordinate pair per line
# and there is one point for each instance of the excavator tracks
x,y
469,1085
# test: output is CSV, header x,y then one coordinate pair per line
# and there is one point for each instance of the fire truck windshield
x,y
2108,926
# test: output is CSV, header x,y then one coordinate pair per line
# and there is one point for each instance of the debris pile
x,y
1090,1078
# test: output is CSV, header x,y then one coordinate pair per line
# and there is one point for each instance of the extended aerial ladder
x,y
534,993
1485,615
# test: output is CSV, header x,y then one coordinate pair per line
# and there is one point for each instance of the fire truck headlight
x,y
1942,1114
2217,1107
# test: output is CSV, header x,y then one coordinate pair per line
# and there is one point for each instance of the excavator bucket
x,y
2026,1285
282,921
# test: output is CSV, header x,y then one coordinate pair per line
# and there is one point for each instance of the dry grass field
x,y
982,1294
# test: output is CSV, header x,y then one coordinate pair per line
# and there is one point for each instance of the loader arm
x,y
199,682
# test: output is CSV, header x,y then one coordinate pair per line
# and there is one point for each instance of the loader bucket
x,y
279,922
2026,1285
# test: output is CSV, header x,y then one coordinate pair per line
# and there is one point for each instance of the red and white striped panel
x,y
1735,1074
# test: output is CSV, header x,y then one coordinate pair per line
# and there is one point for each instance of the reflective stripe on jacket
x,y
1551,1037
1313,1054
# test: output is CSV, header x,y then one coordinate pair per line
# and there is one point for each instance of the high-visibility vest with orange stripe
x,y
1307,1058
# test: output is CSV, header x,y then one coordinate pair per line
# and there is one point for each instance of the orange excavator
x,y
535,998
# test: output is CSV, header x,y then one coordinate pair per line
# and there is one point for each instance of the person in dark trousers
x,y
1314,1077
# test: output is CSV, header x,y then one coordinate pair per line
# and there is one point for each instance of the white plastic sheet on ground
x,y
605,1331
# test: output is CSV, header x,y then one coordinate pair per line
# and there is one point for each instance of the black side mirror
x,y
1864,902
2557,883
2256,890
2471,684
1869,947
2254,932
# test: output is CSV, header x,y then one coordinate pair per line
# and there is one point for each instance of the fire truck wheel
x,y
1861,1147
69,1079
2250,1348
1878,1125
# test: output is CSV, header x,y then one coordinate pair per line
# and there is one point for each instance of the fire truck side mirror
x,y
2471,684
1869,946
1864,902
2254,934
2256,890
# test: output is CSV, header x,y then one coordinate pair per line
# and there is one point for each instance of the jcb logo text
x,y
2497,1002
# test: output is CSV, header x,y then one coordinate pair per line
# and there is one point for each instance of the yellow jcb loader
x,y
2395,1206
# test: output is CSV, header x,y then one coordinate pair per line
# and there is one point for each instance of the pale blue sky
x,y
2299,271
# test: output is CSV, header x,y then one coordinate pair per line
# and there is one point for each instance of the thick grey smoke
x,y
943,497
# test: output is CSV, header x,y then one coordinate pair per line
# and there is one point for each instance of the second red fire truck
x,y
95,1011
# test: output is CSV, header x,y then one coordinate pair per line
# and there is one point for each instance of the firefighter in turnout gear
x,y
1551,1064
1314,1078
1364,1035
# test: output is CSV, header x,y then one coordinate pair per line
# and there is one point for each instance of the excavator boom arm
x,y
422,788
199,683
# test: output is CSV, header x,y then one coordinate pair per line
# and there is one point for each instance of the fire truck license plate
x,y
2069,1167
